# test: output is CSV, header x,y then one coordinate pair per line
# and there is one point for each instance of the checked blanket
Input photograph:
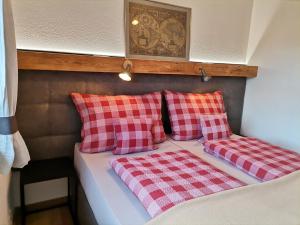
x,y
162,180
255,157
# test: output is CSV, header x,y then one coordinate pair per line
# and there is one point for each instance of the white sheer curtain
x,y
13,150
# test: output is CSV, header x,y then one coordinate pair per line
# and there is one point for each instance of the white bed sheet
x,y
110,199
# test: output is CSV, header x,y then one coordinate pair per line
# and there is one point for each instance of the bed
x,y
44,95
110,199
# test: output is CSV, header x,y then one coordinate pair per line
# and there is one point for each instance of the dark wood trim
x,y
47,204
37,60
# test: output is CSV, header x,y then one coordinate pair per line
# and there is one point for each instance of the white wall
x,y
219,28
219,33
272,100
262,15
5,211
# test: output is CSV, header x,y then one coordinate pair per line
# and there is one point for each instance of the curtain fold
x,y
13,150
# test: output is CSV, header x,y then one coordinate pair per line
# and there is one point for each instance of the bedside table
x,y
49,169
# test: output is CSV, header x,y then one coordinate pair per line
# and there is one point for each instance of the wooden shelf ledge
x,y
36,60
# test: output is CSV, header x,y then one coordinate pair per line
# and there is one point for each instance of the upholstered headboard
x,y
50,124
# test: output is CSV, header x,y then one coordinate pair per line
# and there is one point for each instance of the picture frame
x,y
155,30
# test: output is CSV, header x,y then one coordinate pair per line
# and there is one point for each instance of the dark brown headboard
x,y
50,124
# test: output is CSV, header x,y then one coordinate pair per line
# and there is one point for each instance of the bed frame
x,y
51,126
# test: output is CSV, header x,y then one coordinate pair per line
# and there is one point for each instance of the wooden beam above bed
x,y
36,60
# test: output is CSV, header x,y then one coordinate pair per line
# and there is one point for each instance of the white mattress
x,y
110,199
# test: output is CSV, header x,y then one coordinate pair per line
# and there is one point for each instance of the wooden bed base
x,y
85,212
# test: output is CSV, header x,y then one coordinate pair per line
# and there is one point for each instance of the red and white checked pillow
x,y
98,112
185,110
133,135
215,127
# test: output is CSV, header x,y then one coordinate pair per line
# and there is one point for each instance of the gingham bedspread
x,y
162,180
255,157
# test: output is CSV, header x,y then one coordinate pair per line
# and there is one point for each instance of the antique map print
x,y
157,30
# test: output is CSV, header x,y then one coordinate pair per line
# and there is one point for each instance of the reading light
x,y
126,74
135,22
203,75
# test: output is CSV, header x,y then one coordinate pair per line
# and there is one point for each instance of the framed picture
x,y
155,30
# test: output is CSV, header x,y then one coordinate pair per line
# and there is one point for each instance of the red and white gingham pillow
x,y
133,135
185,110
97,113
215,127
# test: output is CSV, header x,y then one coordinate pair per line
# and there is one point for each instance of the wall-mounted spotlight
x,y
203,75
126,73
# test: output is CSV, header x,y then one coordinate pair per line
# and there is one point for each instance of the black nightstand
x,y
49,169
